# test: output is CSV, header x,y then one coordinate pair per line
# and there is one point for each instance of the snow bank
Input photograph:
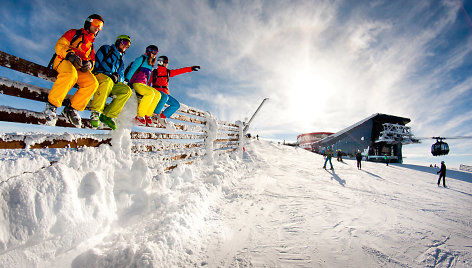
x,y
58,203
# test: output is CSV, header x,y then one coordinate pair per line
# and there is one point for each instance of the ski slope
x,y
274,207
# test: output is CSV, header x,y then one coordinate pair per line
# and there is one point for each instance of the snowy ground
x,y
275,207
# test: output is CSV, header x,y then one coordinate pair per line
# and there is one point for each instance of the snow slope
x,y
275,207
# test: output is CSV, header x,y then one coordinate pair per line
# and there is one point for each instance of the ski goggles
x,y
152,51
125,43
97,23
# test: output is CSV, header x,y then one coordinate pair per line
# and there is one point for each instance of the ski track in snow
x,y
276,207
295,214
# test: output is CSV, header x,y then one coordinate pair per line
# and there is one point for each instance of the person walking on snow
x,y
359,159
138,77
109,71
74,60
329,154
340,155
160,81
442,174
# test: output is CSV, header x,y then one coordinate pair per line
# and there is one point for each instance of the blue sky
x,y
324,65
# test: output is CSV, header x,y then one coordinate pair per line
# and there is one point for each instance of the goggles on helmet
x,y
97,23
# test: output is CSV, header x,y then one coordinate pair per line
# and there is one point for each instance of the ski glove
x,y
86,66
195,68
115,77
74,59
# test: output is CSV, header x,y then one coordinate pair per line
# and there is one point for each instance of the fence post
x,y
211,130
241,139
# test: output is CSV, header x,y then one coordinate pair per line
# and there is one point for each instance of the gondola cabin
x,y
439,148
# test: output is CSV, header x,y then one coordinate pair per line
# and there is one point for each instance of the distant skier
x,y
328,153
442,174
359,159
386,160
340,155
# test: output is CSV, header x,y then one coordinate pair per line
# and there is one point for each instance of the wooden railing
x,y
195,132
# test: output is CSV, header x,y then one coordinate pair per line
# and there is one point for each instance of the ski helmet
x,y
95,19
122,38
151,49
162,59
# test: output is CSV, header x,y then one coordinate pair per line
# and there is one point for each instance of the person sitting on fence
x,y
137,73
160,81
74,60
109,71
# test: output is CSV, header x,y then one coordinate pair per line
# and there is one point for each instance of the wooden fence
x,y
195,132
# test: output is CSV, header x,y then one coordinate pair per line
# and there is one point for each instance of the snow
x,y
274,206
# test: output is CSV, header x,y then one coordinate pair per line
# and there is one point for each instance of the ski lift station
x,y
378,136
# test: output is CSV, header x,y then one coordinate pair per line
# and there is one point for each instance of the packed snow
x,y
274,206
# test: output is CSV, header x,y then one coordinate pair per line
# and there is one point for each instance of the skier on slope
x,y
442,174
160,81
109,71
340,155
359,159
329,154
74,60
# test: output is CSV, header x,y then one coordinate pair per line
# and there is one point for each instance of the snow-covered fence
x,y
194,133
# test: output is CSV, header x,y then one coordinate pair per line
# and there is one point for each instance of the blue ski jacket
x,y
108,61
139,71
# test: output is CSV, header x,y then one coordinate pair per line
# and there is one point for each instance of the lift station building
x,y
377,137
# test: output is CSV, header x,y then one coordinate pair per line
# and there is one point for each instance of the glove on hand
x,y
86,66
74,59
195,68
115,77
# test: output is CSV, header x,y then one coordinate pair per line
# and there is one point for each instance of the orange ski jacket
x,y
82,46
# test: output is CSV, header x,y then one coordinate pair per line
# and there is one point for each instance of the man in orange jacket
x,y
74,60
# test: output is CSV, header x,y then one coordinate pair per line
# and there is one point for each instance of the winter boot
x,y
148,121
140,121
94,119
50,114
163,120
72,115
110,122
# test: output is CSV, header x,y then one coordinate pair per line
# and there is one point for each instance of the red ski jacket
x,y
160,77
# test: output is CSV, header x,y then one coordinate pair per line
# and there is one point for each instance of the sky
x,y
324,65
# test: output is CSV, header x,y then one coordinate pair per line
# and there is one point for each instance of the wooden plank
x,y
188,119
155,148
225,140
27,67
54,143
23,90
147,135
9,114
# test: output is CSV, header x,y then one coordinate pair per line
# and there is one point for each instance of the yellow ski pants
x,y
106,87
149,101
67,77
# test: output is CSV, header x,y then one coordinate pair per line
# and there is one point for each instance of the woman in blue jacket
x,y
138,77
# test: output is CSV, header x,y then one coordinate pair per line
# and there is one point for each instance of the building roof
x,y
378,116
